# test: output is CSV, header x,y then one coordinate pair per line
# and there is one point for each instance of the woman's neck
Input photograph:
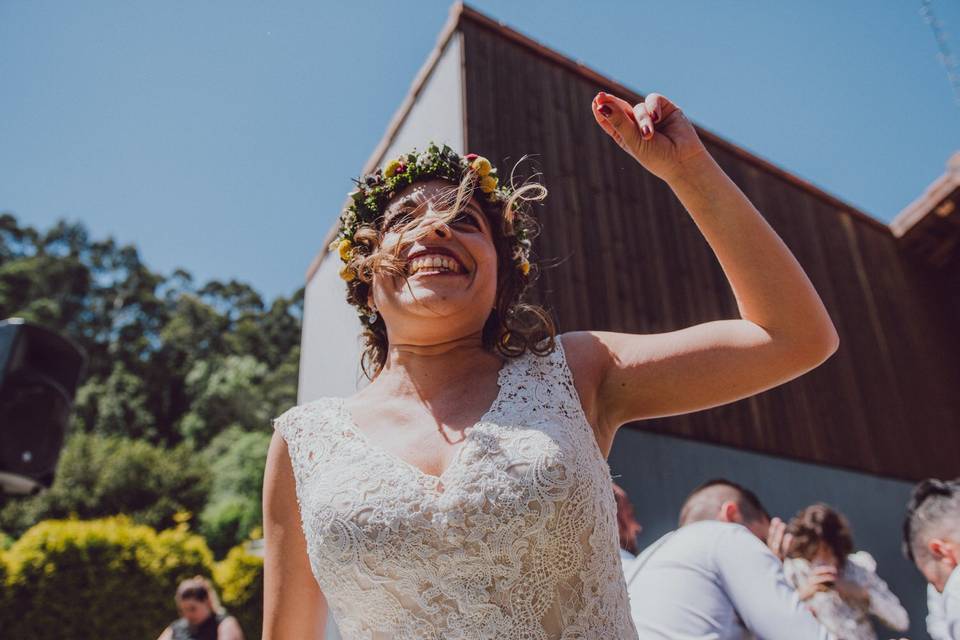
x,y
425,367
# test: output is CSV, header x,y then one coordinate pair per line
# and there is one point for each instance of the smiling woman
x,y
432,198
464,493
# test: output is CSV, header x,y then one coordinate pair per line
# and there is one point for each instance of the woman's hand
x,y
655,132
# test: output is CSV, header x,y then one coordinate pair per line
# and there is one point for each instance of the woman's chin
x,y
433,284
441,296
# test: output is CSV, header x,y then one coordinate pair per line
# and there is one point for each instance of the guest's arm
x,y
753,578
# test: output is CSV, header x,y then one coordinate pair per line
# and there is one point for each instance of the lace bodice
x,y
517,539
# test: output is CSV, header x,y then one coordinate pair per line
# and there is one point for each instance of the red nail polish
x,y
605,111
645,131
655,116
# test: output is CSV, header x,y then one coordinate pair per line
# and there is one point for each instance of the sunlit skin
x,y
438,379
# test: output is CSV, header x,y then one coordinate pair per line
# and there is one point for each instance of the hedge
x,y
239,577
111,579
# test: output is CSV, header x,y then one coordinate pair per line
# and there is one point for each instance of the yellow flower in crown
x,y
488,184
392,168
344,249
525,268
481,165
347,273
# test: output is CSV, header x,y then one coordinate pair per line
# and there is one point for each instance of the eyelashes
x,y
399,220
464,219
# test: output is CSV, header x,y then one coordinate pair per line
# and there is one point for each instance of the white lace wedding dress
x,y
517,539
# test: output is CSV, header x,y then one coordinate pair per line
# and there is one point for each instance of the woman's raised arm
x,y
783,329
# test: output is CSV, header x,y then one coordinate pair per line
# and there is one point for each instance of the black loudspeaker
x,y
39,374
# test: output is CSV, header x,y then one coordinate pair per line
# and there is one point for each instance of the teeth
x,y
434,263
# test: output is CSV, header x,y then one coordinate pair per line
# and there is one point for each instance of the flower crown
x,y
374,192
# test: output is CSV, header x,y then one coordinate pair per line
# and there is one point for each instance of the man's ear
x,y
730,512
937,548
944,550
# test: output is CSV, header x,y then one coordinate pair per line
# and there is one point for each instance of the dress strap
x,y
302,428
544,380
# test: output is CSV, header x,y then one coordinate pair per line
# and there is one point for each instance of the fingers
x,y
823,575
644,119
775,535
617,118
659,107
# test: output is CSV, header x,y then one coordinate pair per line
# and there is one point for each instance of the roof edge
x,y
939,190
460,11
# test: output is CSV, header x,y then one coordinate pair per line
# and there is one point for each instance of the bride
x,y
464,493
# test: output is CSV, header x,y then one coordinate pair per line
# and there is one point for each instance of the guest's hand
x,y
778,540
822,579
655,132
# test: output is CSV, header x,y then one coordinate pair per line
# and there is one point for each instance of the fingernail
x,y
605,110
645,131
655,116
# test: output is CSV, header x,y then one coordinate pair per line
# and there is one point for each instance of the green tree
x,y
101,476
236,461
225,392
169,361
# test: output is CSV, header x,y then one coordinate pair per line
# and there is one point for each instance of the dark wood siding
x,y
629,258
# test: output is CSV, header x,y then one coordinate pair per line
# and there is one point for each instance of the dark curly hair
x,y
513,326
816,524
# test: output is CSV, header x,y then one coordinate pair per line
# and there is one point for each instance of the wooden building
x,y
883,412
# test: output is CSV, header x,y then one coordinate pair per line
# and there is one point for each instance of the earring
x,y
372,318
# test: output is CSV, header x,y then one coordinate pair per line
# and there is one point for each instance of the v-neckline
x,y
437,481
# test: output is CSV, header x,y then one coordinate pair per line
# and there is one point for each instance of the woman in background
x,y
840,586
201,616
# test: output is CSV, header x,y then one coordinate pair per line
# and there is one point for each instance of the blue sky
x,y
220,136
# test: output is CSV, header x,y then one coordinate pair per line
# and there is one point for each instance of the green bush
x,y
5,608
225,521
104,579
111,579
240,580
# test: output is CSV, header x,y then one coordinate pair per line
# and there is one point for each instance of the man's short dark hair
x,y
705,501
934,507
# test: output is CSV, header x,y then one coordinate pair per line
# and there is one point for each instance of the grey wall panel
x,y
659,471
437,114
330,356
330,338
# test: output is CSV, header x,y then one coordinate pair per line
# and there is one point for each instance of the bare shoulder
x,y
229,629
586,356
588,360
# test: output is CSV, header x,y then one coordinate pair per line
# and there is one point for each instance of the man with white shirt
x,y
714,578
931,539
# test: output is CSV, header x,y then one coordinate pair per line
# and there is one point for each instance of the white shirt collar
x,y
952,584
